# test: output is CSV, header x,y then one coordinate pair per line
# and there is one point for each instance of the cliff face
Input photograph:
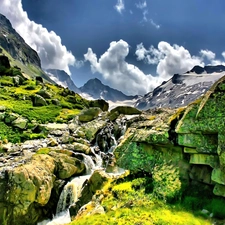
x,y
14,44
191,138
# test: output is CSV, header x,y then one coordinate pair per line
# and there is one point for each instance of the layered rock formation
x,y
190,138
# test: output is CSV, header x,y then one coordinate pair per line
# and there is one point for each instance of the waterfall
x,y
71,193
72,190
60,219
113,145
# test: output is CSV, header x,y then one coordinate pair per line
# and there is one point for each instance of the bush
x,y
166,182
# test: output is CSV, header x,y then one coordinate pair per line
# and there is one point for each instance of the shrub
x,y
166,182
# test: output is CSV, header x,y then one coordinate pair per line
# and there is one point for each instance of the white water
x,y
60,219
71,193
72,189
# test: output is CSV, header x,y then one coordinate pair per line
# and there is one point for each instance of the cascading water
x,y
72,189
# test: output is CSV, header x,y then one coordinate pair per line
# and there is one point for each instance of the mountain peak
x,y
207,69
96,89
182,89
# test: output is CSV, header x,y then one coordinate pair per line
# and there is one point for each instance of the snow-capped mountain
x,y
182,89
63,79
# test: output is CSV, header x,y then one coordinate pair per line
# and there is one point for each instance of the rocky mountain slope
x,y
18,52
95,89
63,79
182,89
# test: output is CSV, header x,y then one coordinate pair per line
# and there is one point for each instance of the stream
x,y
102,155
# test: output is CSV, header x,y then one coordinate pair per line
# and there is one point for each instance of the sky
x,y
130,45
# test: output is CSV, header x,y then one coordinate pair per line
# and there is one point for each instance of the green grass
x,y
127,203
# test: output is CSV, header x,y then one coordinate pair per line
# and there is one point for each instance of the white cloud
x,y
157,26
118,73
145,13
208,54
119,6
169,59
48,45
141,5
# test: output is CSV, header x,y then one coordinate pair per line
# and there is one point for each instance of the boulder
x,y
100,103
125,110
20,122
28,185
44,93
90,129
67,166
4,61
97,180
39,100
89,114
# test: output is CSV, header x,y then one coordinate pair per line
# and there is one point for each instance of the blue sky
x,y
131,45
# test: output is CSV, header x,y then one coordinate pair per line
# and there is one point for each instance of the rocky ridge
x,y
182,89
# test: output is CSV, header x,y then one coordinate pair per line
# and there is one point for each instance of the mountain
x,y
95,89
182,89
63,79
19,53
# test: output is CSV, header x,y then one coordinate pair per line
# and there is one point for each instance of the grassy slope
x,y
130,203
18,99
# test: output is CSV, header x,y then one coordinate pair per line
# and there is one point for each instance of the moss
x,y
43,151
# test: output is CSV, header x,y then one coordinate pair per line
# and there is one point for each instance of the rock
x,y
79,147
89,114
100,103
18,80
44,93
201,173
218,176
89,209
97,180
39,100
125,110
205,159
9,118
67,166
2,108
90,129
52,142
219,190
4,61
28,185
20,123
55,102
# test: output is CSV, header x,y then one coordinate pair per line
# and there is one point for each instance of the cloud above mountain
x,y
52,52
170,59
118,73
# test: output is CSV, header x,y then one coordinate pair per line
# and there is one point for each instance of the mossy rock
x,y
100,103
39,100
125,110
89,114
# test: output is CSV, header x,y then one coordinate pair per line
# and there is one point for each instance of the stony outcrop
x,y
26,189
191,138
